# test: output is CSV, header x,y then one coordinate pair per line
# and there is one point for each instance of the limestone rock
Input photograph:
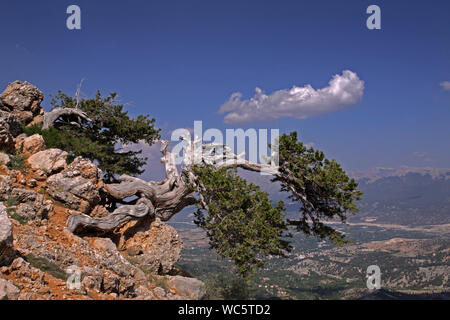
x,y
92,278
31,204
51,160
24,195
23,100
111,283
6,237
5,187
6,141
4,159
104,244
144,294
9,128
190,288
8,291
31,145
10,122
157,250
77,185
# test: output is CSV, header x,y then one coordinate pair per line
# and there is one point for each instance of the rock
x,y
23,100
190,288
8,291
31,204
24,195
4,108
157,250
9,128
51,160
6,237
92,278
143,293
4,159
126,288
32,183
40,175
5,187
77,185
39,119
31,145
160,292
111,283
6,141
11,123
18,263
104,244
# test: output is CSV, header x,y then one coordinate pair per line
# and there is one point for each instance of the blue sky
x,y
180,61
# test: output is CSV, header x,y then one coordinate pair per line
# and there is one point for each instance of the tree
x,y
320,185
96,129
240,220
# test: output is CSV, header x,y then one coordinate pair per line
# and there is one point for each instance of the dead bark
x,y
169,196
51,117
79,222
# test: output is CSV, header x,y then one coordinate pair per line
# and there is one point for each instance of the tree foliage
x,y
241,222
243,225
101,140
320,185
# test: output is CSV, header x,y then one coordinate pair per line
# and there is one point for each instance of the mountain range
x,y
412,196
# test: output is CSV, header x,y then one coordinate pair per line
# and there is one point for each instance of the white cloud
x,y
299,102
445,85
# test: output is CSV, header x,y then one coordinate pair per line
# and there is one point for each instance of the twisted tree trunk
x,y
51,117
79,222
165,198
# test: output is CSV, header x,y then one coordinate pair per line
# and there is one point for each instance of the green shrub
x,y
98,140
18,162
227,287
12,213
11,202
46,266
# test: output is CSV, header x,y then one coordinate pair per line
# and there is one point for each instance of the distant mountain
x,y
374,174
406,195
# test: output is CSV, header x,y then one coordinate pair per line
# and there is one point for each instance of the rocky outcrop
x,y
190,288
8,291
50,160
23,100
6,237
31,205
9,128
31,145
10,122
42,194
4,159
155,249
5,187
77,186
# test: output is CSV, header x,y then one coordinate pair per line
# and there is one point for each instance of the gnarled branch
x,y
79,222
172,194
51,117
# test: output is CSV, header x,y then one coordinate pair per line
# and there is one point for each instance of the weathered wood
x,y
169,196
51,117
79,222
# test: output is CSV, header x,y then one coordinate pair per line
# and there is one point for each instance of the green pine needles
x,y
241,222
101,139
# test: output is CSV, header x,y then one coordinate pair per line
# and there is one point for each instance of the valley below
x,y
414,263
